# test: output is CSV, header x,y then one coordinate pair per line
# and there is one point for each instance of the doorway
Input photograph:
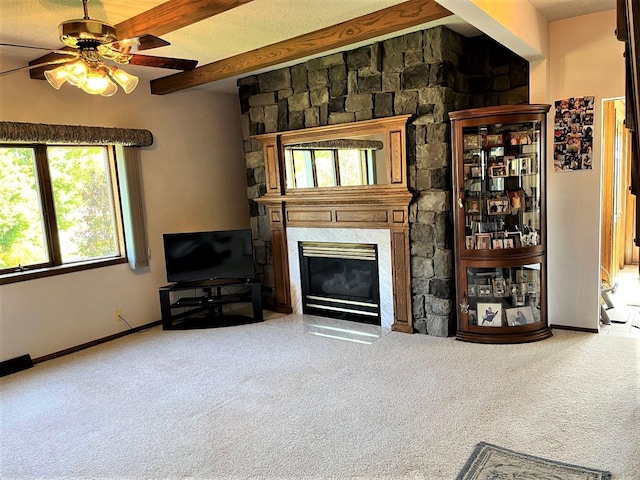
x,y
619,262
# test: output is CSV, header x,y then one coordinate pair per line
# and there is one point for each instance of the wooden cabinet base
x,y
534,336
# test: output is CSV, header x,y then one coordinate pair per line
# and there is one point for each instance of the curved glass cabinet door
x,y
501,185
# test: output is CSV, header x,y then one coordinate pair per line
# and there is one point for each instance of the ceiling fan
x,y
88,44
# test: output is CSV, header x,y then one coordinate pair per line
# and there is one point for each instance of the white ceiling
x,y
554,10
250,26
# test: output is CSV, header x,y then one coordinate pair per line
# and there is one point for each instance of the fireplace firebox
x,y
340,280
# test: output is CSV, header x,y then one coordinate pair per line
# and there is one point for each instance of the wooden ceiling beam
x,y
382,22
174,15
165,18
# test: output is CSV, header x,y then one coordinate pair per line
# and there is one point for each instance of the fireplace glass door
x,y
340,280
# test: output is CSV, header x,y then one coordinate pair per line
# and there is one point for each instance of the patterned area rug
x,y
490,462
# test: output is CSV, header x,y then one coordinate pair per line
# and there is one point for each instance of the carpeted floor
x,y
269,401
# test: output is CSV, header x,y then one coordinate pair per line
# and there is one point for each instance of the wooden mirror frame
x,y
383,206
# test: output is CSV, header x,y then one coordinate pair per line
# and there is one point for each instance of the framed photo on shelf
x,y
472,290
489,314
513,165
515,237
526,165
483,241
516,200
508,243
497,171
470,242
519,138
473,317
472,141
494,140
500,287
497,244
497,206
485,290
519,316
487,227
531,204
473,206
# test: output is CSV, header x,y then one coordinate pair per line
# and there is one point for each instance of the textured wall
x,y
428,74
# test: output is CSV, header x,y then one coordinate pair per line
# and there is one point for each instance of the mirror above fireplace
x,y
339,162
366,156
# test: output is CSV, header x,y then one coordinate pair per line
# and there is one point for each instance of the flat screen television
x,y
198,256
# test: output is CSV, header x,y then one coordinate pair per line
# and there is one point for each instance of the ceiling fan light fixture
x,y
97,81
56,77
111,89
127,81
76,73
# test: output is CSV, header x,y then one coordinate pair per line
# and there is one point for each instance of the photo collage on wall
x,y
573,134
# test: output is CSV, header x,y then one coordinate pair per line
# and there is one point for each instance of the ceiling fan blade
x,y
147,42
61,52
29,67
163,62
129,46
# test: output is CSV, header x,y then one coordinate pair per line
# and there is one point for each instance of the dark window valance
x,y
18,132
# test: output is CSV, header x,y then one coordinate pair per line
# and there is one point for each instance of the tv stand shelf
x,y
206,311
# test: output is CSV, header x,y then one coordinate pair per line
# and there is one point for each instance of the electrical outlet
x,y
117,314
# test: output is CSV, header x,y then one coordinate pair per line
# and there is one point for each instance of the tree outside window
x,y
58,205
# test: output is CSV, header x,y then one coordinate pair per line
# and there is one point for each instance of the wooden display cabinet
x,y
499,157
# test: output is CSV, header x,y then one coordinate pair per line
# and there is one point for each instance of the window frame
x,y
55,265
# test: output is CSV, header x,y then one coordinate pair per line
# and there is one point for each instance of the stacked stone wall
x,y
428,74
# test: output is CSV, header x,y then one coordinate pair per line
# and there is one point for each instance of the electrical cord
x,y
122,319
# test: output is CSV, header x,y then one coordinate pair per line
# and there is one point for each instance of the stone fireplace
x,y
423,75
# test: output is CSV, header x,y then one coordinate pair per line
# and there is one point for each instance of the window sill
x,y
23,276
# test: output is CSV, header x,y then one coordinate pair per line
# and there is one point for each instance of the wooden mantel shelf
x,y
377,195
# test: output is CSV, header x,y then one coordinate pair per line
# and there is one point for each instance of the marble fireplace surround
x,y
379,237
341,214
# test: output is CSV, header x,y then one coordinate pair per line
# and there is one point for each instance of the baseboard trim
x,y
93,343
575,329
15,365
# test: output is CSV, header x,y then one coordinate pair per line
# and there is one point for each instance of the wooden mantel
x,y
373,206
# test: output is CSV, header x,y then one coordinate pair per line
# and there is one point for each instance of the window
x,y
59,206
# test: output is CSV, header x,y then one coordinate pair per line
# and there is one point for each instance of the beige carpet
x,y
269,401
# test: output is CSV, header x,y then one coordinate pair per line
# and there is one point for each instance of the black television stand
x,y
206,311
